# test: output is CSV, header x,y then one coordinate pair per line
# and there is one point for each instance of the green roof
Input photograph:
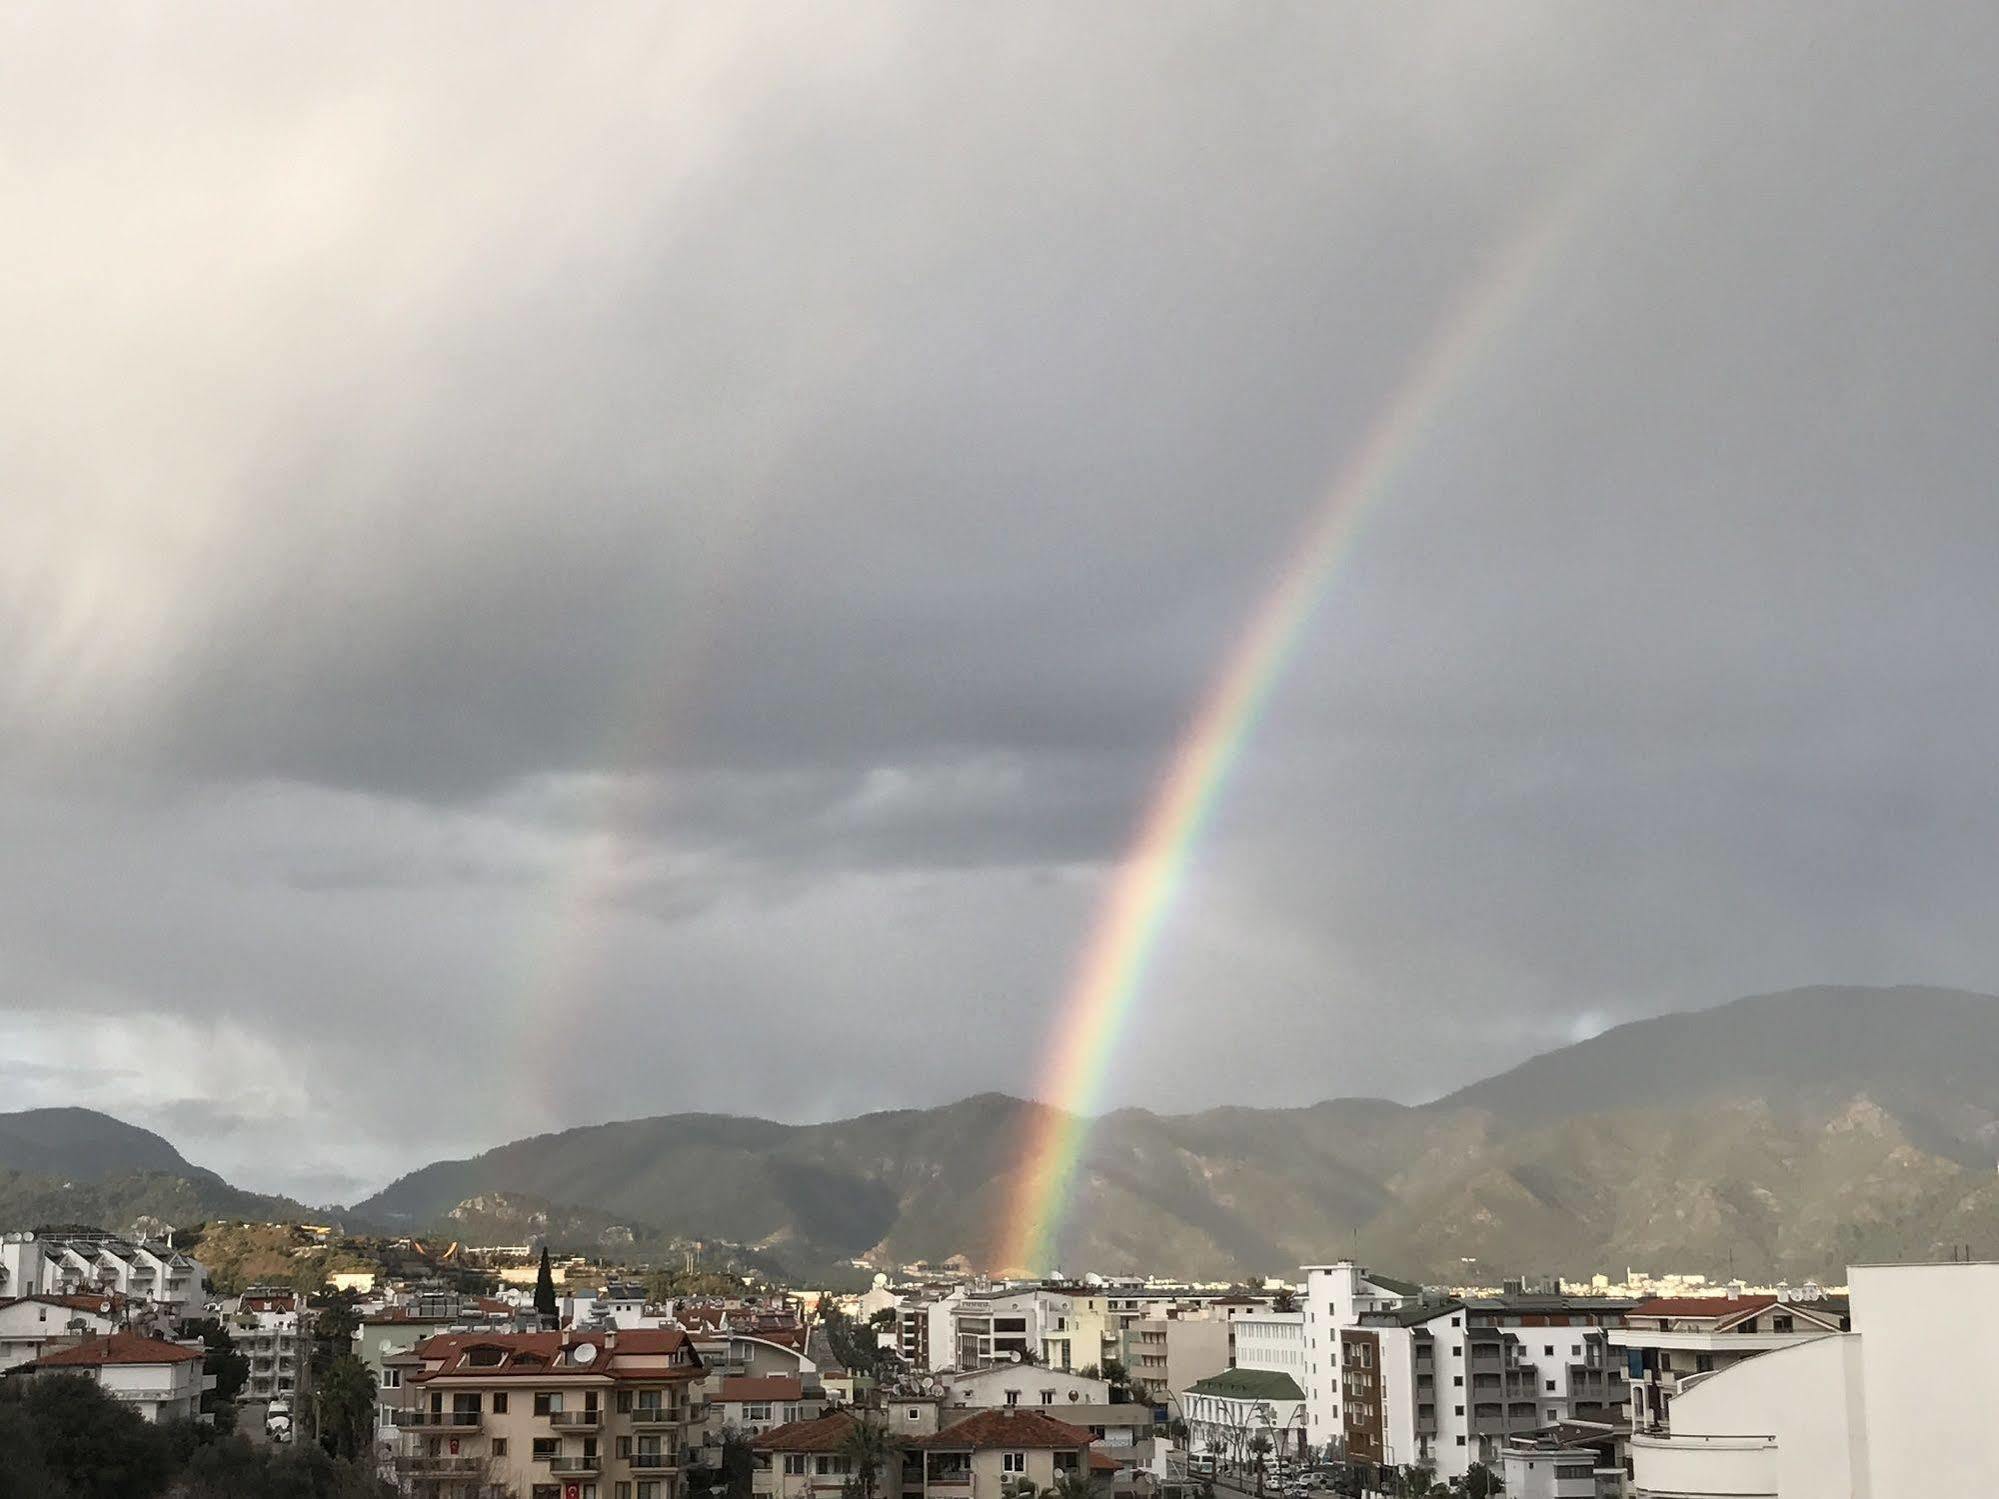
x,y
1399,1287
1248,1384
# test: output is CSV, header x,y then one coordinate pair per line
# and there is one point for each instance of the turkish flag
x,y
572,1491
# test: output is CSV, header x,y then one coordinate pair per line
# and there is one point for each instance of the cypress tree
x,y
544,1291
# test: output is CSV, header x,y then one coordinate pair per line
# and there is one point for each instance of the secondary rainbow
x,y
1115,960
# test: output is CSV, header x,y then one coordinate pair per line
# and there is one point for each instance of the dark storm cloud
x,y
708,522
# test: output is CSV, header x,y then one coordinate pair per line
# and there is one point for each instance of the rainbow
x,y
1118,953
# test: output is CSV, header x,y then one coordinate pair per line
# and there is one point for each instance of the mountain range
x,y
1785,1134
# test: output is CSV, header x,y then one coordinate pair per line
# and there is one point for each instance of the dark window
x,y
500,1403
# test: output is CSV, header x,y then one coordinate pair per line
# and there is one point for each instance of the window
x,y
1457,1322
392,1379
1460,1410
913,1413
623,1491
624,1402
1461,1441
649,1489
547,1402
499,1446
1551,1387
500,1403
624,1447
1457,1381
1013,1462
758,1412
794,1464
546,1448
1458,1352
1553,1416
1013,1397
1547,1350
1047,1397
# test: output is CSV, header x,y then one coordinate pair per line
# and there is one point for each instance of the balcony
x,y
438,1465
584,1420
574,1465
655,1462
438,1420
657,1415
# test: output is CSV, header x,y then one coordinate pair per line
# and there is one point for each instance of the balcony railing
x,y
458,1419
657,1415
654,1461
574,1464
423,1462
576,1420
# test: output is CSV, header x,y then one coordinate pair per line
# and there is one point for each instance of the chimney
x,y
610,1340
1735,1290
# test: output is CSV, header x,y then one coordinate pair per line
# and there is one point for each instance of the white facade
x,y
1033,1385
68,1264
1554,1472
1335,1295
1899,1408
29,1326
1272,1340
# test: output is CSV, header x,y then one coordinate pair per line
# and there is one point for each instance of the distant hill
x,y
1788,1134
1783,1134
83,1144
80,1166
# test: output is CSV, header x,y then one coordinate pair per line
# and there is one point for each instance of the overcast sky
x,y
564,563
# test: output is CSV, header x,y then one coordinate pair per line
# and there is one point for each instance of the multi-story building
x,y
88,1261
1671,1343
551,1415
266,1327
996,1325
1570,1461
1898,1407
1335,1297
924,1333
1271,1340
162,1381
1447,1383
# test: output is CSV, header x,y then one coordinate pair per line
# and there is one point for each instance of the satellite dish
x,y
583,1353
1013,1356
881,1279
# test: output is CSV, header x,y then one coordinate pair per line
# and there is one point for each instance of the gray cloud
x,y
702,526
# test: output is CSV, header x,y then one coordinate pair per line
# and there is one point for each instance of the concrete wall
x,y
1928,1333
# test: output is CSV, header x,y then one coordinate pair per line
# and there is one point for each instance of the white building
x,y
1565,1463
1335,1296
1225,1414
1272,1340
29,1325
85,1261
162,1381
265,1328
1449,1383
1900,1407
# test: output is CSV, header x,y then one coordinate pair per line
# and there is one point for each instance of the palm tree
x,y
1259,1448
871,1446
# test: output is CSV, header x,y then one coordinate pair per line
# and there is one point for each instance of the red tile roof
x,y
1710,1307
1099,1463
763,1387
542,1355
1008,1426
827,1434
118,1348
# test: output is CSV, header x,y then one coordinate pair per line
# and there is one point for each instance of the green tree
x,y
1481,1482
883,1320
90,1444
1284,1301
871,1447
344,1405
544,1291
1120,1380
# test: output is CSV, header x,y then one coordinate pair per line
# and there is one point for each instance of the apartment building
x,y
996,1325
1669,1344
924,1335
161,1380
1570,1461
1898,1406
1446,1383
1335,1297
88,1261
266,1326
550,1415
1166,1354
